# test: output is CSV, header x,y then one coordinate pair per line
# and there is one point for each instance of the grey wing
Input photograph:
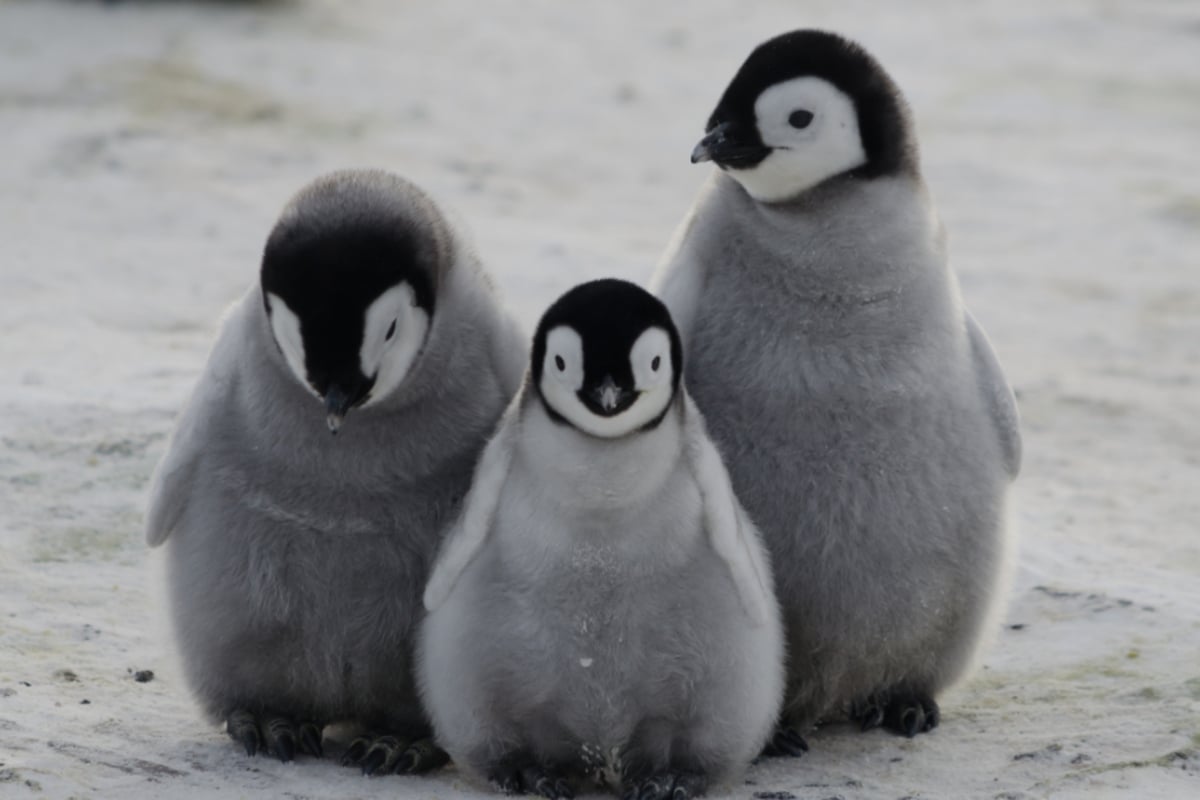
x,y
731,533
468,533
679,279
1002,405
171,486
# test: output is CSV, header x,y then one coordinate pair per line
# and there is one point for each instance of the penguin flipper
x,y
680,278
732,534
171,486
208,409
1002,405
469,531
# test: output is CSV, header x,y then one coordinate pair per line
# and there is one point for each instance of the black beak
x,y
725,146
337,403
608,399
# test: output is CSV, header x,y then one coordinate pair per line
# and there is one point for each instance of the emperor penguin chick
x,y
296,559
603,606
864,419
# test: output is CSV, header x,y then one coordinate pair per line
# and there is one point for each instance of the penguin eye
x,y
391,331
800,118
558,362
654,364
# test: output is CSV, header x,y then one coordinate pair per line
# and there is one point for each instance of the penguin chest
x,y
593,591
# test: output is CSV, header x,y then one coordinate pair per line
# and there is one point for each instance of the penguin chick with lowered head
x,y
603,605
296,559
864,419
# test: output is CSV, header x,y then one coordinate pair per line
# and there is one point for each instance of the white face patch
x,y
563,373
393,332
828,144
285,326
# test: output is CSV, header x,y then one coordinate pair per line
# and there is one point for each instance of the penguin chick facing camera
x,y
603,606
865,421
296,559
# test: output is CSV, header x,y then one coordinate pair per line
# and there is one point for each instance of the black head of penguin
x,y
609,316
732,137
338,247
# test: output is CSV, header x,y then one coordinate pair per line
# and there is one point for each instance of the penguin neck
x,y
848,239
593,474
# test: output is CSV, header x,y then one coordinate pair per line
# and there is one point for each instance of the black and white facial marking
x,y
349,307
806,106
607,359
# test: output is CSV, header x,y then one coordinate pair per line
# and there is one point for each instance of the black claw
x,y
652,790
285,748
933,715
420,757
538,781
688,786
510,785
242,727
310,739
383,755
786,743
355,752
374,759
251,743
671,786
507,780
871,718
281,738
911,714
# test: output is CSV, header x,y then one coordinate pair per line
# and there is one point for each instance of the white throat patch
x,y
563,374
830,144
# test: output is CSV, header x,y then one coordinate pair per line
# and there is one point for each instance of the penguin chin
x,y
597,409
785,175
644,411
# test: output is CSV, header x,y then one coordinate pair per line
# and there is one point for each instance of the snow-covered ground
x,y
145,148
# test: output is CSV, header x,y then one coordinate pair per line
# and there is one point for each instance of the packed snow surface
x,y
148,146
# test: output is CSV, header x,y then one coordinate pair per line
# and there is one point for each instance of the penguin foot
x,y
387,755
910,714
786,742
524,777
275,734
666,786
903,712
869,713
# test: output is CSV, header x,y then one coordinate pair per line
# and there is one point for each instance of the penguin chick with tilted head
x,y
296,559
864,419
603,606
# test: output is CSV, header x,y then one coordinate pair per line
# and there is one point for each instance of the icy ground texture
x,y
146,148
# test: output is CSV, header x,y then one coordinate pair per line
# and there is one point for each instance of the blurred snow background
x,y
146,147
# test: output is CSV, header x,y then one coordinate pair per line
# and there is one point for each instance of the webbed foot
x,y
387,754
521,776
786,742
900,711
276,734
666,786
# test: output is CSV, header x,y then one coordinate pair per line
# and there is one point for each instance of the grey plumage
x,y
296,559
602,606
864,419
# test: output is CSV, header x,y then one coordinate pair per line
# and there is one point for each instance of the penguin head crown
x,y
607,359
804,107
348,280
